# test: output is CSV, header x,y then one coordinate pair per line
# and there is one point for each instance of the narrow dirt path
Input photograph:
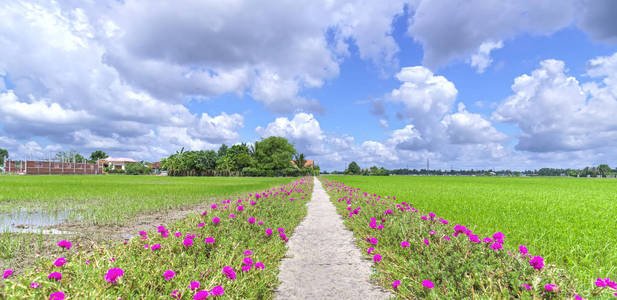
x,y
323,261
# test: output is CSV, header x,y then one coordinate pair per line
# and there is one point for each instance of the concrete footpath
x,y
322,261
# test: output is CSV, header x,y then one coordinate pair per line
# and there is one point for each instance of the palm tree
x,y
299,160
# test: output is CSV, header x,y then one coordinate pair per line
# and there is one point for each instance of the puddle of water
x,y
33,221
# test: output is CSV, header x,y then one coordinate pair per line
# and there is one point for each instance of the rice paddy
x,y
571,222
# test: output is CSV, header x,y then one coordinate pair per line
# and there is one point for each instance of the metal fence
x,y
33,167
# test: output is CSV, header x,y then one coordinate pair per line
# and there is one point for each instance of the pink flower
x,y
247,261
426,242
374,241
169,274
209,240
55,275
113,274
600,282
176,294
217,291
496,246
499,236
577,297
187,242
7,273
474,238
260,265
369,250
445,237
201,295
537,262
178,234
35,285
395,284
231,216
213,206
204,213
201,224
525,286
194,285
246,268
550,287
268,231
404,244
60,262
487,240
248,253
229,272
432,232
428,284
65,244
240,208
155,247
252,220
56,296
216,220
522,249
377,258
283,236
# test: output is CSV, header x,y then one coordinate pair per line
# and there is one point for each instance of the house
x,y
117,163
308,164
156,167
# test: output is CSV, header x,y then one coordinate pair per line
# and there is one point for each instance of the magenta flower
x,y
474,238
499,236
283,236
395,284
169,274
240,208
229,272
370,250
426,242
496,246
201,295
260,265
231,216
268,231
445,237
113,274
280,229
194,285
377,258
217,291
187,242
65,244
209,240
201,224
57,296
7,273
248,253
178,234
247,261
142,233
176,294
525,286
252,220
550,287
374,241
155,247
537,262
204,213
60,262
600,282
55,275
213,206
522,249
577,297
428,284
404,244
216,220
246,268
487,240
35,285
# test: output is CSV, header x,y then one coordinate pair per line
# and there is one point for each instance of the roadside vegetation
x,y
231,248
420,233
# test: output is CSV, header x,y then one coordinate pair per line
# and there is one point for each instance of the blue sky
x,y
390,83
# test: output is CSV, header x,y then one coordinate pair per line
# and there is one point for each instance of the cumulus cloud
x,y
555,112
598,19
464,127
219,129
482,58
451,30
303,130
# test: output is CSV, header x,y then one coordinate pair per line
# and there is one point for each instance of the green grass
x,y
114,199
571,222
83,275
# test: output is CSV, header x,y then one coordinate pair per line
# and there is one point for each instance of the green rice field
x,y
116,198
572,222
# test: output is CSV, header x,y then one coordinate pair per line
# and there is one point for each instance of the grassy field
x,y
571,222
233,248
116,198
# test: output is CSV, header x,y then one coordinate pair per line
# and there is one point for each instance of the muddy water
x,y
33,221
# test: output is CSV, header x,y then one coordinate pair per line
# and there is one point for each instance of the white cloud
x,y
464,127
303,130
221,129
556,113
482,58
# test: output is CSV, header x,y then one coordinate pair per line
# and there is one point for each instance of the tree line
x,y
601,170
272,156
